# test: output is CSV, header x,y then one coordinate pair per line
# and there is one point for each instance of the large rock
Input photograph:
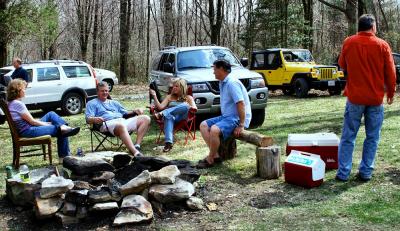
x,y
121,160
127,173
45,208
99,196
189,174
107,156
81,212
67,220
86,165
69,209
153,163
137,184
23,194
80,185
55,185
180,190
78,197
105,207
195,203
166,175
135,209
102,176
181,163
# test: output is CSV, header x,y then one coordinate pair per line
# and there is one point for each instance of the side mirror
x,y
244,61
168,67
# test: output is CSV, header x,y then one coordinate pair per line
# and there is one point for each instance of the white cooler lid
x,y
315,139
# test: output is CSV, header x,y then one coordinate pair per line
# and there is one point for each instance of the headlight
x,y
317,71
199,87
334,72
257,83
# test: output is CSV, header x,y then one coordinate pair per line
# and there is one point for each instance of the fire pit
x,y
107,183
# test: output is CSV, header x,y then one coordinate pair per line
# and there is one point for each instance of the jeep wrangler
x,y
294,71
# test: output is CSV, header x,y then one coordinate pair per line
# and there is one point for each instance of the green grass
x,y
246,202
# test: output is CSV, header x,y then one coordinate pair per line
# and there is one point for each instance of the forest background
x,y
124,35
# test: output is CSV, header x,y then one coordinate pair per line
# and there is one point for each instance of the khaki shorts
x,y
109,125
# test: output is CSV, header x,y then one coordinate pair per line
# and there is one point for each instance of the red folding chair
x,y
187,125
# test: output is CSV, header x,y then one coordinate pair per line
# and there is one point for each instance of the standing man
x,y
370,70
112,117
235,110
19,71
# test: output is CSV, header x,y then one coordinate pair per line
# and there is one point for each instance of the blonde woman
x,y
50,124
173,108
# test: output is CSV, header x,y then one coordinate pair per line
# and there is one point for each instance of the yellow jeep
x,y
294,71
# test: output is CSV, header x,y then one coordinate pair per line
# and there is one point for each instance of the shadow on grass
x,y
393,174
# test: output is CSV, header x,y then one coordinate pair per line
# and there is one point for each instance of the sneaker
x,y
71,132
138,154
137,146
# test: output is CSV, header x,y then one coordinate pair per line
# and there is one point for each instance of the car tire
x,y
72,103
257,118
301,88
110,84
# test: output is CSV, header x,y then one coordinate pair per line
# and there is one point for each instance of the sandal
x,y
204,164
167,147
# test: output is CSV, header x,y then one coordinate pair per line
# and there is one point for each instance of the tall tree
x,y
215,17
308,24
95,31
3,31
124,31
169,35
350,11
84,11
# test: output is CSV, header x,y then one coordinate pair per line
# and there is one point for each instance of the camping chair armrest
x,y
129,115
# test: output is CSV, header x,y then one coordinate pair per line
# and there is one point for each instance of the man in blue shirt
x,y
235,113
114,118
19,71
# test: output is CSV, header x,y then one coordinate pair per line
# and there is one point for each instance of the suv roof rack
x,y
168,48
58,61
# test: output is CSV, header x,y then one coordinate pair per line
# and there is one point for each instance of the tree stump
x,y
227,148
268,162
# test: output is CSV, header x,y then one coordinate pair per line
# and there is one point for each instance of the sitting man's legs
x,y
142,126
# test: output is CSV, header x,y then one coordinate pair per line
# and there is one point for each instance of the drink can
x,y
79,152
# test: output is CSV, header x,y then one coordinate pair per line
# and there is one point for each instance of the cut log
x,y
256,138
227,148
268,162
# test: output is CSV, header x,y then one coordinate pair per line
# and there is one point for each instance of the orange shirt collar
x,y
363,33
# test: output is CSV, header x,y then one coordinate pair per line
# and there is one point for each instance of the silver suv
x,y
58,83
194,64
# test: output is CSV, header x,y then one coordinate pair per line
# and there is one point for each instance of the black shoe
x,y
362,179
167,147
340,179
71,132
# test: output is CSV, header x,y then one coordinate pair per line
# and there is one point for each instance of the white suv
x,y
59,83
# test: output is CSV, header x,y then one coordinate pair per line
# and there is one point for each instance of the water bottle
x,y
24,173
10,172
79,152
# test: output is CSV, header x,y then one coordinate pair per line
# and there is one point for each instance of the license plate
x,y
331,83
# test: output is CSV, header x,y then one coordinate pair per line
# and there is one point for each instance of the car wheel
x,y
110,84
257,117
72,104
301,88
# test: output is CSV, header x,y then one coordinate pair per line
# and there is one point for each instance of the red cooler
x,y
304,169
323,144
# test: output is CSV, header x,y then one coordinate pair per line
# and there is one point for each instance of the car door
x,y
45,86
274,67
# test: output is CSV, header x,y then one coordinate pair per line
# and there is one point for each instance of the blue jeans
x,y
172,116
53,130
373,119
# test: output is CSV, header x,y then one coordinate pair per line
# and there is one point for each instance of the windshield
x,y
204,58
298,56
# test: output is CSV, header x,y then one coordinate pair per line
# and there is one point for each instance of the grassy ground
x,y
246,202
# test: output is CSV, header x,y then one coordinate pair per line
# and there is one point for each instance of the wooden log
x,y
268,162
256,138
227,149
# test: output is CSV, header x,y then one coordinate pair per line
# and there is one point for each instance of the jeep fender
x,y
303,75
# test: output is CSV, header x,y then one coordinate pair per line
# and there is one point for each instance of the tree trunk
x,y
268,162
227,149
308,24
148,36
255,138
124,43
216,20
95,33
3,37
168,23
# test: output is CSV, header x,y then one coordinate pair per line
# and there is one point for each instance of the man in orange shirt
x,y
370,69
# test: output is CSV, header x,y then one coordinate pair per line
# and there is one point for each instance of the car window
x,y
396,59
258,60
76,71
204,58
29,75
273,60
164,59
156,61
48,74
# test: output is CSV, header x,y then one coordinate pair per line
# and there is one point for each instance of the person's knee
x,y
119,129
215,131
204,125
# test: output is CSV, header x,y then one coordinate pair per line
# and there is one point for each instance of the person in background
x,y
173,108
19,72
114,118
50,124
370,70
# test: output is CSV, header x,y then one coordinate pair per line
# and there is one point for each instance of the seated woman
x,y
173,108
50,124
